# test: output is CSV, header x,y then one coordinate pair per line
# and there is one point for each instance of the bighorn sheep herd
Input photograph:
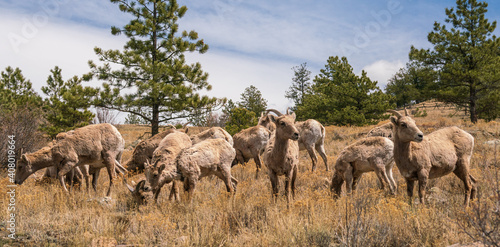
x,y
173,156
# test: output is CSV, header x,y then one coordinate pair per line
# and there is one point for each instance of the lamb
x,y
421,158
312,137
250,143
143,152
164,156
209,157
212,133
97,145
281,155
366,155
384,130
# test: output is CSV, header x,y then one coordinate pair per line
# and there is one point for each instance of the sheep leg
x,y
313,155
422,184
225,175
410,184
348,175
258,163
174,192
234,183
288,182
95,177
462,173
321,150
382,177
355,180
110,166
275,185
294,177
156,193
191,186
388,171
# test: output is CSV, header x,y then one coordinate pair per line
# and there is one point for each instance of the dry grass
x,y
45,216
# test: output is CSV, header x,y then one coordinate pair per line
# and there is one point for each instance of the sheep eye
x,y
283,124
404,125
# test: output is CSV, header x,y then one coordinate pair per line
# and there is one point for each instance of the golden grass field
x,y
46,216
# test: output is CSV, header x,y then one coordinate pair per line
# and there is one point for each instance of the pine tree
x,y
240,118
338,96
153,68
252,100
466,56
300,84
67,105
16,90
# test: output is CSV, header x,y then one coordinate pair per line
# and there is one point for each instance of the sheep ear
x,y
293,116
25,159
394,120
140,185
406,112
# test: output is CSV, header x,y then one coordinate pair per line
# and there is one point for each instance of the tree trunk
x,y
155,120
472,103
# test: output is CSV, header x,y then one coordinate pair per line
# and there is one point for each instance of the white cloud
x,y
382,70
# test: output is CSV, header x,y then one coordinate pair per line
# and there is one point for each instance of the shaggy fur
x,y
165,156
420,158
99,145
209,157
250,143
143,152
281,155
312,135
212,133
384,130
366,155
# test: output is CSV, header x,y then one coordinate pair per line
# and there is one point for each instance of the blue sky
x,y
251,42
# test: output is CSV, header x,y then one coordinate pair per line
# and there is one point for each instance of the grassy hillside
x,y
45,216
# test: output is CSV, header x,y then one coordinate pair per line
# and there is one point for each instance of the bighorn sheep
x,y
164,156
143,152
435,155
281,155
209,157
384,130
97,145
366,155
141,193
250,143
212,133
312,136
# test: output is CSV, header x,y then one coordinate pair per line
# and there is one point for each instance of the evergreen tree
x,y
252,100
153,66
412,84
16,90
66,107
239,119
338,96
466,56
300,84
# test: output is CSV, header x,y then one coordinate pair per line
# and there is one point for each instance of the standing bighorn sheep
x,y
366,155
312,136
163,157
435,155
281,155
97,145
250,143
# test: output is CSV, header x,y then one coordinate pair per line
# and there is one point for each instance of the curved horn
x,y
130,188
171,126
406,112
395,113
275,112
184,126
140,185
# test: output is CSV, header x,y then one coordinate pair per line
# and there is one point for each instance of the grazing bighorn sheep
x,y
250,143
164,156
209,157
212,133
384,130
143,152
97,145
312,136
76,176
281,155
441,152
141,193
366,155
